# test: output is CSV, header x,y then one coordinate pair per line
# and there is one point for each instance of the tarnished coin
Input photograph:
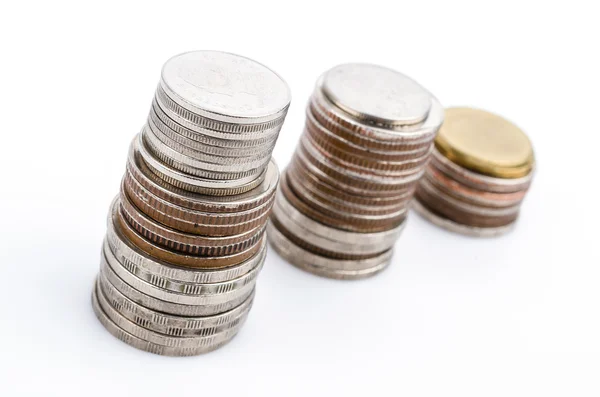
x,y
184,242
181,258
192,221
186,269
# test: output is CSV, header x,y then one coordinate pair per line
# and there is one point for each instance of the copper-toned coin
x,y
375,158
400,138
185,242
367,182
363,224
459,191
181,258
345,193
192,221
325,198
369,164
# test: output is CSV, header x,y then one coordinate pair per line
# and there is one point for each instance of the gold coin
x,y
485,143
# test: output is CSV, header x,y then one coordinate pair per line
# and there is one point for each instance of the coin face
x,y
225,84
485,143
375,93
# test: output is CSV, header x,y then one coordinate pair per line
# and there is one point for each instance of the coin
x,y
343,269
133,258
215,204
185,238
225,87
485,143
375,93
481,170
153,342
173,325
344,197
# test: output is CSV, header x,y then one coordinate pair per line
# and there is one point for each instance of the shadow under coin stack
x,y
480,172
344,197
185,239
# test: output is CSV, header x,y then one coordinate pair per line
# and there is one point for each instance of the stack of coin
x,y
344,197
480,171
185,239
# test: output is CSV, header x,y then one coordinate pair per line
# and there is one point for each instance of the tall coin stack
x,y
481,169
344,197
185,239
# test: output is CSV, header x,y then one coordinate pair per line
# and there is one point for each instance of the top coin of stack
x,y
214,122
344,197
185,239
481,169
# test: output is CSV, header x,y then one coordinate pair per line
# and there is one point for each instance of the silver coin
x,y
197,151
164,306
225,87
144,339
327,267
454,227
207,144
194,201
399,135
192,183
167,286
172,325
201,169
230,291
375,93
332,239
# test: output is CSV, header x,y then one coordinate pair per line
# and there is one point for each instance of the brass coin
x,y
486,143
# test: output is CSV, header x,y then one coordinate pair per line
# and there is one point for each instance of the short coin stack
x,y
344,197
185,239
479,174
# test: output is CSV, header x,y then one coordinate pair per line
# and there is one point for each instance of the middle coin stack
x,y
344,197
185,238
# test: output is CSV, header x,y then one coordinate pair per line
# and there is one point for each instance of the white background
x,y
517,315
